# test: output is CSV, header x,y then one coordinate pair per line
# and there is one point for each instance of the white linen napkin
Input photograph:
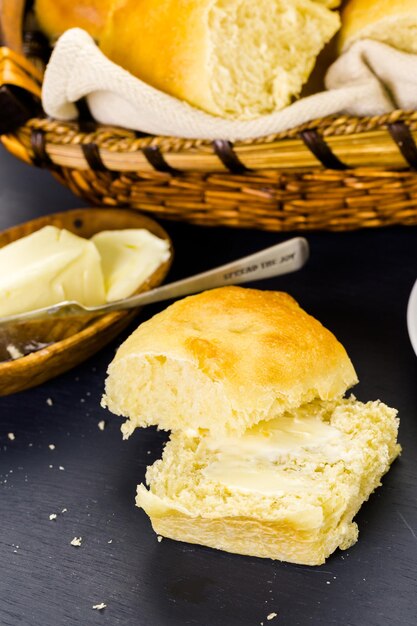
x,y
371,78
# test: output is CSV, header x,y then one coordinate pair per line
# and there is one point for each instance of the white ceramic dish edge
x,y
412,317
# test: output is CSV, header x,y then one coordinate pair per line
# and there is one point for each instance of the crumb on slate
x,y
62,468
102,425
52,516
49,401
271,616
64,510
76,541
99,607
51,446
11,436
159,538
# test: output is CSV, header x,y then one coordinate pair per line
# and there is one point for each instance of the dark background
x,y
357,284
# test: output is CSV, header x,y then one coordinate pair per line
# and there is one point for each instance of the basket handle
x,y
20,80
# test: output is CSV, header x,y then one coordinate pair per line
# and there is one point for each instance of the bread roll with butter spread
x,y
393,22
224,360
287,489
237,58
266,458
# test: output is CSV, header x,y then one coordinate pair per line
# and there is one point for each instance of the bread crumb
x,y
52,516
99,607
64,510
51,466
110,541
271,616
159,538
76,541
11,436
102,425
51,446
49,401
327,582
14,352
62,468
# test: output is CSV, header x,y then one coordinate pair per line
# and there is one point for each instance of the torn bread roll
x,y
266,457
224,360
393,22
237,59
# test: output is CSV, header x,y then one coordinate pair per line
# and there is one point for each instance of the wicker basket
x,y
335,173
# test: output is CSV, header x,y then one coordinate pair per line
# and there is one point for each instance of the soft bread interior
x,y
170,393
263,52
287,489
176,395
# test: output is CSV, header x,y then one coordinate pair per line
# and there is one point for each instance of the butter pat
x,y
129,257
245,475
286,434
262,459
46,267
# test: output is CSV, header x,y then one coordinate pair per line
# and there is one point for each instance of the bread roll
x,y
224,360
56,16
238,59
288,489
393,22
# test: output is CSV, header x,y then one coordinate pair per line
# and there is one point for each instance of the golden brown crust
x,y
165,44
56,16
360,15
259,348
249,537
278,540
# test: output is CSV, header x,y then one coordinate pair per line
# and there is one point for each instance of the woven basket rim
x,y
115,138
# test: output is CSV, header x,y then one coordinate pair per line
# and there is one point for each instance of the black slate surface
x,y
355,283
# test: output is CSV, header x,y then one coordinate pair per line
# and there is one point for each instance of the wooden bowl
x,y
72,341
